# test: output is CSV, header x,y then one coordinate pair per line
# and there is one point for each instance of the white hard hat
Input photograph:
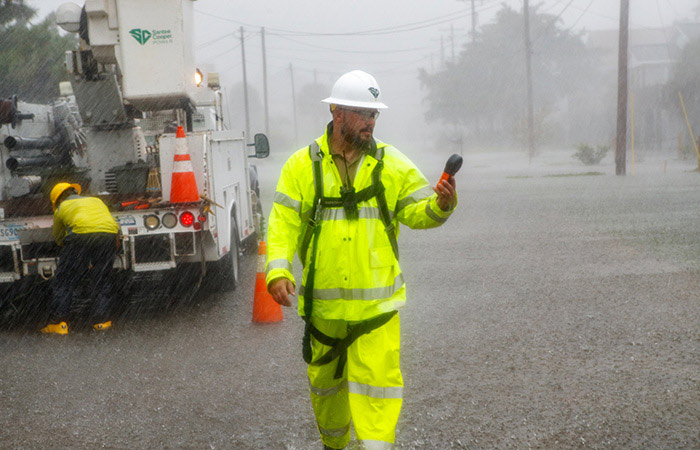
x,y
356,88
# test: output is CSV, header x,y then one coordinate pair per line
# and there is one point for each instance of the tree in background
x,y
685,78
484,89
32,55
15,12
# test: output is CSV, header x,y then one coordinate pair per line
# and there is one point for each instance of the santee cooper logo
x,y
141,36
154,36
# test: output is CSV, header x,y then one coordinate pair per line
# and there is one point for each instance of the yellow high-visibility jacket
x,y
357,275
81,215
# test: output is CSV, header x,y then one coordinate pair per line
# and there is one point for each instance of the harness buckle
x,y
347,196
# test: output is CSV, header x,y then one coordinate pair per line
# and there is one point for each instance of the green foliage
x,y
685,79
485,87
32,56
687,152
15,12
587,155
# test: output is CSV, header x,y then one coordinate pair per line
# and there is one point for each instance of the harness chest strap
x,y
375,190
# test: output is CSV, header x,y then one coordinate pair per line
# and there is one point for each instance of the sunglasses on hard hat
x,y
365,114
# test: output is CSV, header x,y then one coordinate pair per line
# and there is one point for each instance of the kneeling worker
x,y
338,204
88,233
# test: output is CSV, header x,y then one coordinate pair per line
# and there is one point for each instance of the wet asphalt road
x,y
549,312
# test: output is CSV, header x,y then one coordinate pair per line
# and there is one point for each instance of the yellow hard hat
x,y
58,190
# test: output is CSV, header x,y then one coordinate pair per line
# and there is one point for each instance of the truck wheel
x,y
230,269
250,244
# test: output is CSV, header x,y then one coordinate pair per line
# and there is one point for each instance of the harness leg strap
x,y
339,347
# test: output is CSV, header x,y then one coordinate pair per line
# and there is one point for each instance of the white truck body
x,y
139,59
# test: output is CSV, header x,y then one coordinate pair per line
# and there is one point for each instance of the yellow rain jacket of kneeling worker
x,y
82,215
357,274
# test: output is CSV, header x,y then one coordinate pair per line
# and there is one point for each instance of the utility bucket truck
x,y
133,82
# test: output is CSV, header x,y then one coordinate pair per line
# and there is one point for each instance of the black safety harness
x,y
348,200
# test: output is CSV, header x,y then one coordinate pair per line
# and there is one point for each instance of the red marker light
x,y
187,219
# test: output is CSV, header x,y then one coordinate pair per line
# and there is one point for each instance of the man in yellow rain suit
x,y
88,233
338,205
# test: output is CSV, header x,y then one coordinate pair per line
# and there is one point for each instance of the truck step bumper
x,y
150,266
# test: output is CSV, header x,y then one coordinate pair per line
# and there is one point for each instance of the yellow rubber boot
x,y
56,328
103,326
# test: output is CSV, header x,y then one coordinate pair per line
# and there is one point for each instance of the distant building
x,y
652,55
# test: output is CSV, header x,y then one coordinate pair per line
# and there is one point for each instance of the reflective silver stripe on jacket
x,y
420,194
432,215
365,212
327,392
375,391
285,200
334,432
377,293
278,264
369,444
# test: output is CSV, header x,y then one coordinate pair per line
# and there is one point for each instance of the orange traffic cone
x,y
265,308
183,187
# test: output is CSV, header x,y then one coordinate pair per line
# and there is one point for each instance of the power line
x,y
353,51
583,13
663,28
216,40
438,20
225,52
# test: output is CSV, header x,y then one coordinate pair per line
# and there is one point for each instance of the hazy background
x,y
321,40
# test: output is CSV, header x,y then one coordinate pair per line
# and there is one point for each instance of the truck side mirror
x,y
262,146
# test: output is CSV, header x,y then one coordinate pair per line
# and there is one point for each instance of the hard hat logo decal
x,y
141,36
374,91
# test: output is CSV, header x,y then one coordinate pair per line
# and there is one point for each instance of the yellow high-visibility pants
x,y
368,395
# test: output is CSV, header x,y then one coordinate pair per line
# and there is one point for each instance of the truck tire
x,y
250,244
230,268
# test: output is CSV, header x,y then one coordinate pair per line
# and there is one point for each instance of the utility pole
x,y
452,38
473,22
294,105
245,88
528,70
264,68
442,51
621,136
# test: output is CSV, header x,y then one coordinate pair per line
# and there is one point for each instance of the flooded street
x,y
553,310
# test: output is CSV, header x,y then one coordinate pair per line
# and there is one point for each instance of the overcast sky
x,y
415,35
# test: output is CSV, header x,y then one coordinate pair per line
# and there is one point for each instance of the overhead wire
x,y
663,28
294,36
205,44
411,26
583,13
352,51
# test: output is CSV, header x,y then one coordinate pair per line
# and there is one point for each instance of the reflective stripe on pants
x,y
370,392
